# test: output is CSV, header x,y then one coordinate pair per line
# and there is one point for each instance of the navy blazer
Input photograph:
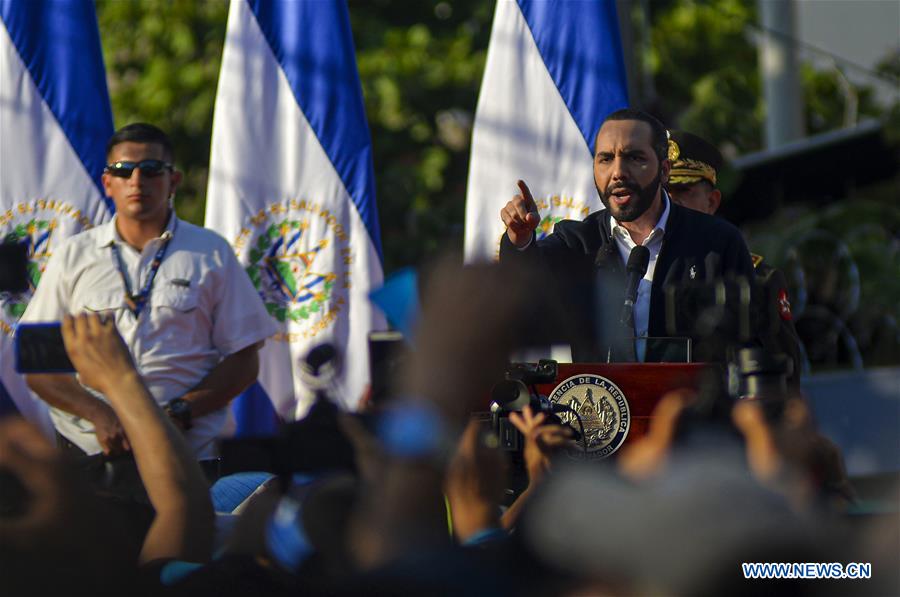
x,y
582,260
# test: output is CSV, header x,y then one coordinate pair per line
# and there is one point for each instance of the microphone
x,y
635,269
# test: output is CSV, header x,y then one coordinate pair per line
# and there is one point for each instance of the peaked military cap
x,y
693,159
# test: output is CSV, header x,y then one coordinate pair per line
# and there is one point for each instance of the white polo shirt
x,y
202,307
653,242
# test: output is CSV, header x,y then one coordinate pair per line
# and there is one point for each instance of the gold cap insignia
x,y
687,171
674,150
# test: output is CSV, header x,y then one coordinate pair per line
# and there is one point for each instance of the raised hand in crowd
x,y
97,351
542,441
35,501
475,481
47,514
785,453
647,457
520,216
183,524
470,320
790,456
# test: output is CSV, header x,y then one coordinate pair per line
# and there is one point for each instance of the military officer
x,y
693,183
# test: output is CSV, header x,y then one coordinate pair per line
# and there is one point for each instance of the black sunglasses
x,y
149,168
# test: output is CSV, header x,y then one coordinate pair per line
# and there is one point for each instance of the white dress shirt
x,y
202,307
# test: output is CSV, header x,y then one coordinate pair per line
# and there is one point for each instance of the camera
x,y
544,371
514,393
516,390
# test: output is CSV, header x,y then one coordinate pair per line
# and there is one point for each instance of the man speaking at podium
x,y
609,269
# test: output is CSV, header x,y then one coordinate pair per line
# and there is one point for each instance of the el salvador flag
x,y
55,119
292,188
554,71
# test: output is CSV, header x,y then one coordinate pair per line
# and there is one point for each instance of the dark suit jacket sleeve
x,y
570,241
509,252
737,258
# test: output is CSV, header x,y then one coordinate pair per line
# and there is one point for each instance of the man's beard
x,y
642,199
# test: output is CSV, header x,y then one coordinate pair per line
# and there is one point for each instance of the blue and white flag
x,y
554,71
55,119
292,188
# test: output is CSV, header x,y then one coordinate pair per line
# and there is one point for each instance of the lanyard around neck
x,y
137,301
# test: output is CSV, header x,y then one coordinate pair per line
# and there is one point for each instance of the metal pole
x,y
780,72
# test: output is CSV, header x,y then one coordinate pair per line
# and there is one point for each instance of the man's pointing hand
x,y
521,217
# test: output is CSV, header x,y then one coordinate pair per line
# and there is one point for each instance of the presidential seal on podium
x,y
602,409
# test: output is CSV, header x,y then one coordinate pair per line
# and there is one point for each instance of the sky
x,y
862,31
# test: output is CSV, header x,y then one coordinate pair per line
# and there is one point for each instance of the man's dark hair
x,y
141,132
659,141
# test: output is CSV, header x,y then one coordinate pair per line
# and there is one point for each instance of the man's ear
x,y
105,179
715,200
664,169
177,176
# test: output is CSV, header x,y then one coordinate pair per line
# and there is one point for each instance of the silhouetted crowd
x,y
413,497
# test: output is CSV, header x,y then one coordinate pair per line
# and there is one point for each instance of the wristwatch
x,y
179,410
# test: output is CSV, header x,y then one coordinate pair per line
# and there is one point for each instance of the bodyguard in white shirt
x,y
185,307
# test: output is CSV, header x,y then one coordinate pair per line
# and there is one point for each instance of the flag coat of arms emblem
x,y
292,188
55,119
554,70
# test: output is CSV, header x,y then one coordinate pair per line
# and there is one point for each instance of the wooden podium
x,y
597,390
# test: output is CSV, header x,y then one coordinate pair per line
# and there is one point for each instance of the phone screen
x,y
387,354
40,349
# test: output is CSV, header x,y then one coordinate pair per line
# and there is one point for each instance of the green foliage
x,y
704,67
421,65
703,57
162,61
826,103
869,229
890,67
